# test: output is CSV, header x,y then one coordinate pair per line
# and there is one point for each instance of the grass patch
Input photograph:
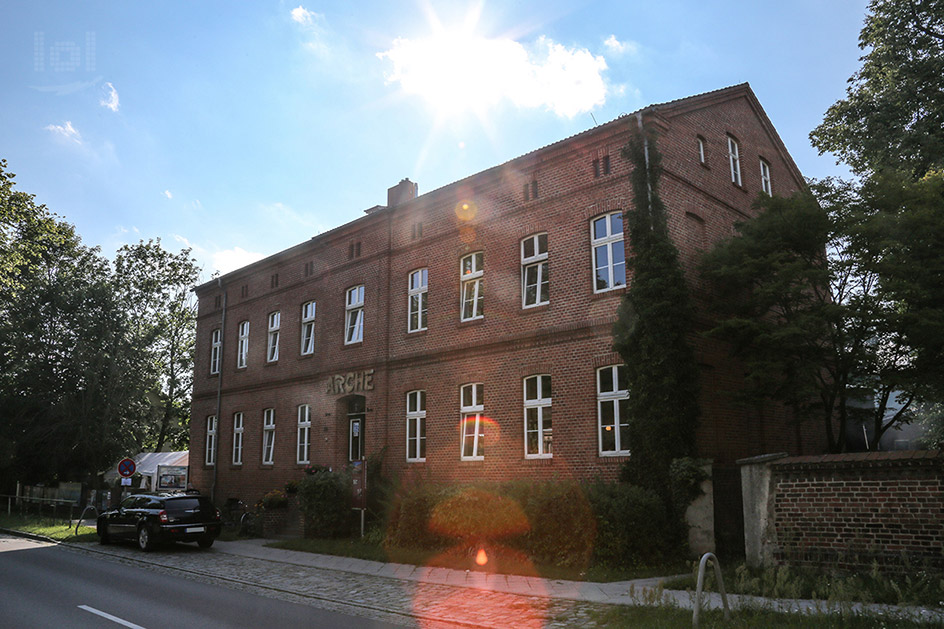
x,y
500,561
666,618
53,528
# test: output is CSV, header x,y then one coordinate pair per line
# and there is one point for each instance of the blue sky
x,y
241,129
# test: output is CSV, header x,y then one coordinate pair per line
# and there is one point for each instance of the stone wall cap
x,y
893,456
762,458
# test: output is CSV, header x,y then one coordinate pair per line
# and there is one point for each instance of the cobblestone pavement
x,y
408,603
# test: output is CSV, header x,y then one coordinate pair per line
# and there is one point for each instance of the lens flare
x,y
481,557
466,210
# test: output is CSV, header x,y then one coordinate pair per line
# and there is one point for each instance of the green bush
x,y
562,526
275,499
563,523
325,499
633,528
410,513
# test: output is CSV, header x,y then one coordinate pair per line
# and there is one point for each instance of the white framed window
x,y
609,259
268,436
354,309
471,406
537,417
416,426
701,149
304,434
242,344
613,410
308,328
765,177
211,440
417,287
275,322
734,158
534,282
237,438
470,276
216,346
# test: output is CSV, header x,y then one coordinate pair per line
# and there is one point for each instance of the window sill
x,y
236,466
416,460
414,333
471,459
271,363
536,307
538,458
353,345
306,356
613,455
472,321
618,290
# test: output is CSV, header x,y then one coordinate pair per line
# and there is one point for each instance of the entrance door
x,y
355,416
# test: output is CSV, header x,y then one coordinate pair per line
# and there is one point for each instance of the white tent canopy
x,y
147,464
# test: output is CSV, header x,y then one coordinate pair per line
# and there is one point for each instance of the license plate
x,y
194,529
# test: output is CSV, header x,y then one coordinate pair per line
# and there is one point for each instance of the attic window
x,y
274,281
417,230
354,250
244,290
309,269
216,301
701,149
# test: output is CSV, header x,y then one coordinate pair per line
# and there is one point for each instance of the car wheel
x,y
103,538
205,542
145,540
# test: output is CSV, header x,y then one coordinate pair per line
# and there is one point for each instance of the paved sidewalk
x,y
621,592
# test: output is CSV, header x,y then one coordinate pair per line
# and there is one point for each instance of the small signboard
x,y
126,482
172,477
359,478
126,467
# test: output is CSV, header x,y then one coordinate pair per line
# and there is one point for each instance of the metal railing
x,y
696,615
31,504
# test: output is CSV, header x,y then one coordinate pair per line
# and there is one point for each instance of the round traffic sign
x,y
126,467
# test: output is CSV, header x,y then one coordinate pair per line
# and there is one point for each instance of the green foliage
x,y
809,307
633,526
566,528
275,499
655,318
911,587
893,113
325,499
560,522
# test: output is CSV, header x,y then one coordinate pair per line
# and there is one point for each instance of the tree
x,y
893,113
69,379
804,305
655,318
154,288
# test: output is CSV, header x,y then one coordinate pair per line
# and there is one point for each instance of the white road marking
x,y
110,617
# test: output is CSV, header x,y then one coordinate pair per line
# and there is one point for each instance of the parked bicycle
x,y
237,514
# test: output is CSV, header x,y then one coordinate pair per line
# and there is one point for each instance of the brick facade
x,y
568,338
850,510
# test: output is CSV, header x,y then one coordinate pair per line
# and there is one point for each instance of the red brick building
x,y
467,331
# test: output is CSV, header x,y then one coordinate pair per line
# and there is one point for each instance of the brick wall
x,y
568,338
848,510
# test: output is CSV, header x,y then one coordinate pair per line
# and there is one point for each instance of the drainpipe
x,y
219,394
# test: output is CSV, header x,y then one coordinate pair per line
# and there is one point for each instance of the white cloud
x,y
231,259
111,102
459,71
303,16
618,47
168,194
66,130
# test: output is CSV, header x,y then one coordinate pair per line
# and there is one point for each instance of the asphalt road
x,y
42,585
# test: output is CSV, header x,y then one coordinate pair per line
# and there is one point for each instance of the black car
x,y
151,519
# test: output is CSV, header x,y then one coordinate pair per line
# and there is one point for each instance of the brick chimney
x,y
404,191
